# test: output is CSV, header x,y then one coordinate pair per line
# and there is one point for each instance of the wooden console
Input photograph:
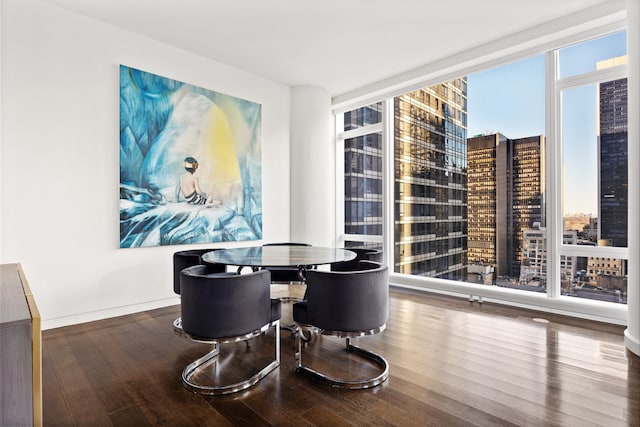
x,y
20,351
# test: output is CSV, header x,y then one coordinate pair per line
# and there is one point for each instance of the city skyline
x,y
509,99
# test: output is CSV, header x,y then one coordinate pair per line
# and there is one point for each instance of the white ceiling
x,y
340,45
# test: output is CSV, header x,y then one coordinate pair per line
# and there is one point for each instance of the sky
x,y
510,100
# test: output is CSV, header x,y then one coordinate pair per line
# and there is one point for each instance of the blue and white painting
x,y
190,163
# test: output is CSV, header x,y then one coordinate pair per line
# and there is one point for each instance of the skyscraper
x,y
363,173
430,130
431,181
527,198
487,242
614,152
506,197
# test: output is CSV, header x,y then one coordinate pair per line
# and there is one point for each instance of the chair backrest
x,y
373,255
362,254
349,301
224,304
184,259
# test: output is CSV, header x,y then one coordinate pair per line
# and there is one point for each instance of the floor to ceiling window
x,y
592,93
363,176
506,157
483,167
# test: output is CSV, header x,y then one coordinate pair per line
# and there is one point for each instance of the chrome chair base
x,y
211,357
339,382
177,327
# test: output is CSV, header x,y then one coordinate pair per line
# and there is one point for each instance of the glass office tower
x,y
430,181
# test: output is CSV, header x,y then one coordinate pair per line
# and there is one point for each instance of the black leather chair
x,y
362,254
286,275
184,259
346,304
225,308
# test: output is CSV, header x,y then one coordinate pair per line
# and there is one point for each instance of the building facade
x,y
614,154
363,173
486,204
534,257
430,181
505,197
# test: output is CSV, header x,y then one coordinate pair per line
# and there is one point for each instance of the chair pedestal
x,y
288,298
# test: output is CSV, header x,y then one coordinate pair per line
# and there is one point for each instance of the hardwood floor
x,y
452,363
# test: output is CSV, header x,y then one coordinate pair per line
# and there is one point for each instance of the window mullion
x,y
361,131
339,174
388,183
597,76
553,159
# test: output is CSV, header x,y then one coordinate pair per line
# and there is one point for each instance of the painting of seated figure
x,y
190,163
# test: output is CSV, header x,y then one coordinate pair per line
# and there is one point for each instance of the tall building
x,y
363,174
614,153
527,186
486,191
431,181
505,197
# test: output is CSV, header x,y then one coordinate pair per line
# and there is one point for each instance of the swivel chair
x,y
224,308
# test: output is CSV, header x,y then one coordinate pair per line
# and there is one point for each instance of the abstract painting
x,y
190,163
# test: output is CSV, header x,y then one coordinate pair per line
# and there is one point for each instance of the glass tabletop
x,y
279,256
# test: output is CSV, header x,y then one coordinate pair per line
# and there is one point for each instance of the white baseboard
x,y
632,343
75,319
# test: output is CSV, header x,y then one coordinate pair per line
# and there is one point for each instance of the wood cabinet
x,y
20,351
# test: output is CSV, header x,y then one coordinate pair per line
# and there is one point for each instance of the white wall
x,y
312,167
60,159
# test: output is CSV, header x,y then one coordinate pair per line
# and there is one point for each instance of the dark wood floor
x,y
452,363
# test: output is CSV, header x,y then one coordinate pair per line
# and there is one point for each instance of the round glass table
x,y
301,257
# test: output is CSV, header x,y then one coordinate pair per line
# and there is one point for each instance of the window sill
x,y
569,306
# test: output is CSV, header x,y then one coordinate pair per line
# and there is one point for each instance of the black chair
x,y
184,259
362,254
285,275
346,304
226,308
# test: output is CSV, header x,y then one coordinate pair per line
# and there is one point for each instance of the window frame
x,y
551,301
555,86
340,136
